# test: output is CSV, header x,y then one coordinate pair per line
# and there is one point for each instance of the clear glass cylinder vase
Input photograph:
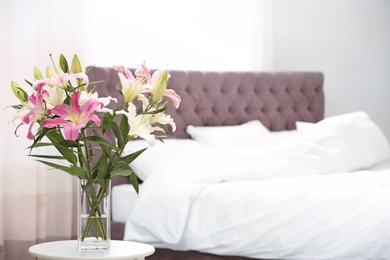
x,y
94,209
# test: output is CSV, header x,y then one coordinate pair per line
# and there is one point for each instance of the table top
x,y
68,250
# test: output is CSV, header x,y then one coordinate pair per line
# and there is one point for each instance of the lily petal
x,y
176,99
71,132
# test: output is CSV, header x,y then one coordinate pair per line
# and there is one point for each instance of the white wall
x,y
191,34
346,39
349,40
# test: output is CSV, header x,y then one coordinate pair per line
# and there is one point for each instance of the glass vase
x,y
94,214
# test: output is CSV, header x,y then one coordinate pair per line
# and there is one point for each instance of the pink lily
x,y
131,87
158,85
36,113
142,70
122,70
73,117
60,81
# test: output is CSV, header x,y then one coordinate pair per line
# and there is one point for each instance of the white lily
x,y
140,125
55,97
85,96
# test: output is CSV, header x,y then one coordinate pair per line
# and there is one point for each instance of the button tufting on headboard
x,y
210,98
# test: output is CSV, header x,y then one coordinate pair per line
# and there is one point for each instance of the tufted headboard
x,y
277,99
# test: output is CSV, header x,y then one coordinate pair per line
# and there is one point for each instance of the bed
x,y
255,171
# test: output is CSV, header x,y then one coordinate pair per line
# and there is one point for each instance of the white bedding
x,y
123,199
322,194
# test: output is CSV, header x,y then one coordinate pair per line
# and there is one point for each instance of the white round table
x,y
68,250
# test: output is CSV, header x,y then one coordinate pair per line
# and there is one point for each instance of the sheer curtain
x,y
36,204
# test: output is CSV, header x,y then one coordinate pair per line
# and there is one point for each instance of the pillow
x,y
247,134
159,155
349,140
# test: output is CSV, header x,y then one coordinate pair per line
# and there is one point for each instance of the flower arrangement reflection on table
x,y
63,111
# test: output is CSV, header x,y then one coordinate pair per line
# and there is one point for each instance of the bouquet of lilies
x,y
63,110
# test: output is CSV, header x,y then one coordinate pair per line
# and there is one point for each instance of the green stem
x,y
94,202
85,155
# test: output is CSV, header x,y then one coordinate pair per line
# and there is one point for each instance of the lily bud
x,y
19,92
77,68
49,73
37,73
76,65
160,87
64,64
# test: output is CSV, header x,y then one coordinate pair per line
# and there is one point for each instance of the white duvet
x,y
323,194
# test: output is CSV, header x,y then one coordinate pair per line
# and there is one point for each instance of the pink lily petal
x,y
92,117
119,68
176,99
71,132
82,76
95,119
62,110
40,83
129,75
52,122
30,135
142,70
156,76
90,106
122,70
17,127
75,107
26,118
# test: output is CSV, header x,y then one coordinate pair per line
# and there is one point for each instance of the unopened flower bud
x,y
19,92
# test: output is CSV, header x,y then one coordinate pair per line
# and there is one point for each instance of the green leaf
x,y
125,128
134,182
56,138
38,138
16,106
80,172
58,166
131,157
165,128
94,82
56,157
98,139
122,172
64,64
40,145
102,170
89,68
107,118
118,134
160,110
119,88
68,143
28,82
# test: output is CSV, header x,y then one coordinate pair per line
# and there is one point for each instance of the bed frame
x,y
277,99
